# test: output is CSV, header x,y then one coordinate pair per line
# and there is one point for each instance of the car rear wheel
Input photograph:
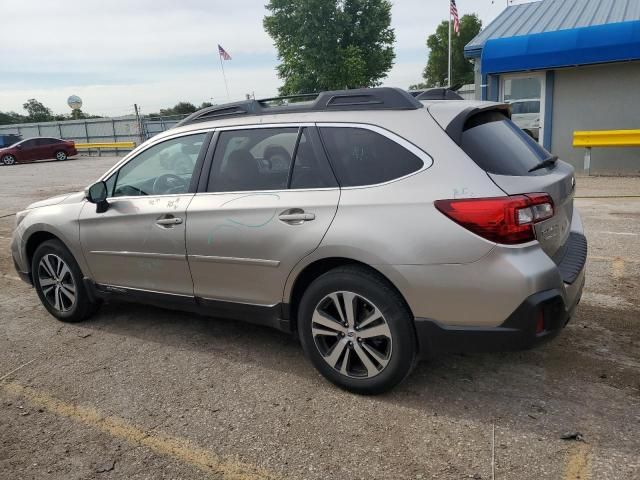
x,y
58,282
357,330
61,155
9,160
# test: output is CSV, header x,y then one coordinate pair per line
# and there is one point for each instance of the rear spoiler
x,y
456,126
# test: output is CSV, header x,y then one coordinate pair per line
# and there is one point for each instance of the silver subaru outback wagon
x,y
377,227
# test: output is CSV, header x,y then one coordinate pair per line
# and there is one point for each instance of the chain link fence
x,y
96,130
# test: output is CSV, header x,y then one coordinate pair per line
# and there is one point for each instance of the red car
x,y
41,148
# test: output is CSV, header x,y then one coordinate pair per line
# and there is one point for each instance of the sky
x,y
114,53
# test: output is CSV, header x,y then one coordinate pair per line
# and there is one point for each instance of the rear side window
x,y
498,146
363,157
257,159
264,159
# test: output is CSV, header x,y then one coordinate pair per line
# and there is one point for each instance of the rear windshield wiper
x,y
549,162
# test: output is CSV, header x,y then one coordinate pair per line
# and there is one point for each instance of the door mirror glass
x,y
97,193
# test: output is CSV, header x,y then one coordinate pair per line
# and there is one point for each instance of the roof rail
x,y
384,98
438,93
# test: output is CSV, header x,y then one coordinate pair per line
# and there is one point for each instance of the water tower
x,y
75,103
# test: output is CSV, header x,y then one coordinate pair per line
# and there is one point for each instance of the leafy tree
x,y
205,105
8,118
181,108
36,111
331,44
436,72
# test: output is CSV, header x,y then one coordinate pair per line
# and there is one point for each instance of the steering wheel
x,y
169,183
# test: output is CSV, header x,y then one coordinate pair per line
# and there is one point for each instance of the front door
x,y
139,242
28,151
269,201
526,94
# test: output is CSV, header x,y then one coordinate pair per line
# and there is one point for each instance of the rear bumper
x,y
520,331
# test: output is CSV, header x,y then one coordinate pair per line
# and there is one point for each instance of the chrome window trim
x,y
257,192
265,125
149,197
147,145
424,156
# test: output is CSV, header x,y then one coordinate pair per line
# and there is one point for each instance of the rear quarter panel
x,y
396,223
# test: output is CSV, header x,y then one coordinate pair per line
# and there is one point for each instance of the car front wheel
x,y
58,282
9,160
357,331
60,155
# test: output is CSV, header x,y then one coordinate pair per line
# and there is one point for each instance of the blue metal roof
x,y
552,16
613,42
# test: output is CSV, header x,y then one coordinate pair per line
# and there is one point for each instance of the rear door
x,y
267,203
510,157
41,150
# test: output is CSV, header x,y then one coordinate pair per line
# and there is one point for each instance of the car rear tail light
x,y
507,220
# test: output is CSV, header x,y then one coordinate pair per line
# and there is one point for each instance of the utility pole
x,y
139,123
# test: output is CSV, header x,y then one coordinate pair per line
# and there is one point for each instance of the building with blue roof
x,y
565,65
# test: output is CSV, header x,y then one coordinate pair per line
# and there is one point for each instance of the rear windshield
x,y
498,146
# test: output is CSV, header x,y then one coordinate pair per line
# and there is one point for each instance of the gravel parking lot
x,y
139,392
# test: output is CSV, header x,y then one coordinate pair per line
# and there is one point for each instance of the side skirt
x,y
274,316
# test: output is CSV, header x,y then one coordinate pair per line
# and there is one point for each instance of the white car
x,y
526,114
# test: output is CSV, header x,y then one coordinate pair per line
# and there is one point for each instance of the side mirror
x,y
19,147
97,193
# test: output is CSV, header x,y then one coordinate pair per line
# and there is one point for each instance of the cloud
x,y
158,52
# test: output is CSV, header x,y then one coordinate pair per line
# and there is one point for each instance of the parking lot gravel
x,y
143,393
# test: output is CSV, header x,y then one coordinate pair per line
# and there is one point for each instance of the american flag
x,y
456,19
223,53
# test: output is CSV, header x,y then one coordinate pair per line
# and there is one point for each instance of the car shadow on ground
x,y
529,390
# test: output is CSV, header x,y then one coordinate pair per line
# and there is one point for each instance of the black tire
x,y
61,155
82,307
376,289
8,160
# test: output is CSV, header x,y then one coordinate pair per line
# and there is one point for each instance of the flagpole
x,y
449,78
224,76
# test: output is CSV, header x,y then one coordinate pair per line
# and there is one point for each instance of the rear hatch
x,y
512,159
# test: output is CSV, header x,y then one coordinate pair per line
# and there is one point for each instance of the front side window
x,y
164,169
362,157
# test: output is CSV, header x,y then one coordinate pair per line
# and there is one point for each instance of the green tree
x,y
180,108
36,111
8,118
436,72
331,44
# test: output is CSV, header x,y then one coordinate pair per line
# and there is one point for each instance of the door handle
x,y
168,221
296,216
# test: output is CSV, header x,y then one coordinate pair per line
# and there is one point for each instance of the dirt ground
x,y
144,393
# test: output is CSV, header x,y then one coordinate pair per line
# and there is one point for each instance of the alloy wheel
x,y
61,156
352,335
8,159
57,283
